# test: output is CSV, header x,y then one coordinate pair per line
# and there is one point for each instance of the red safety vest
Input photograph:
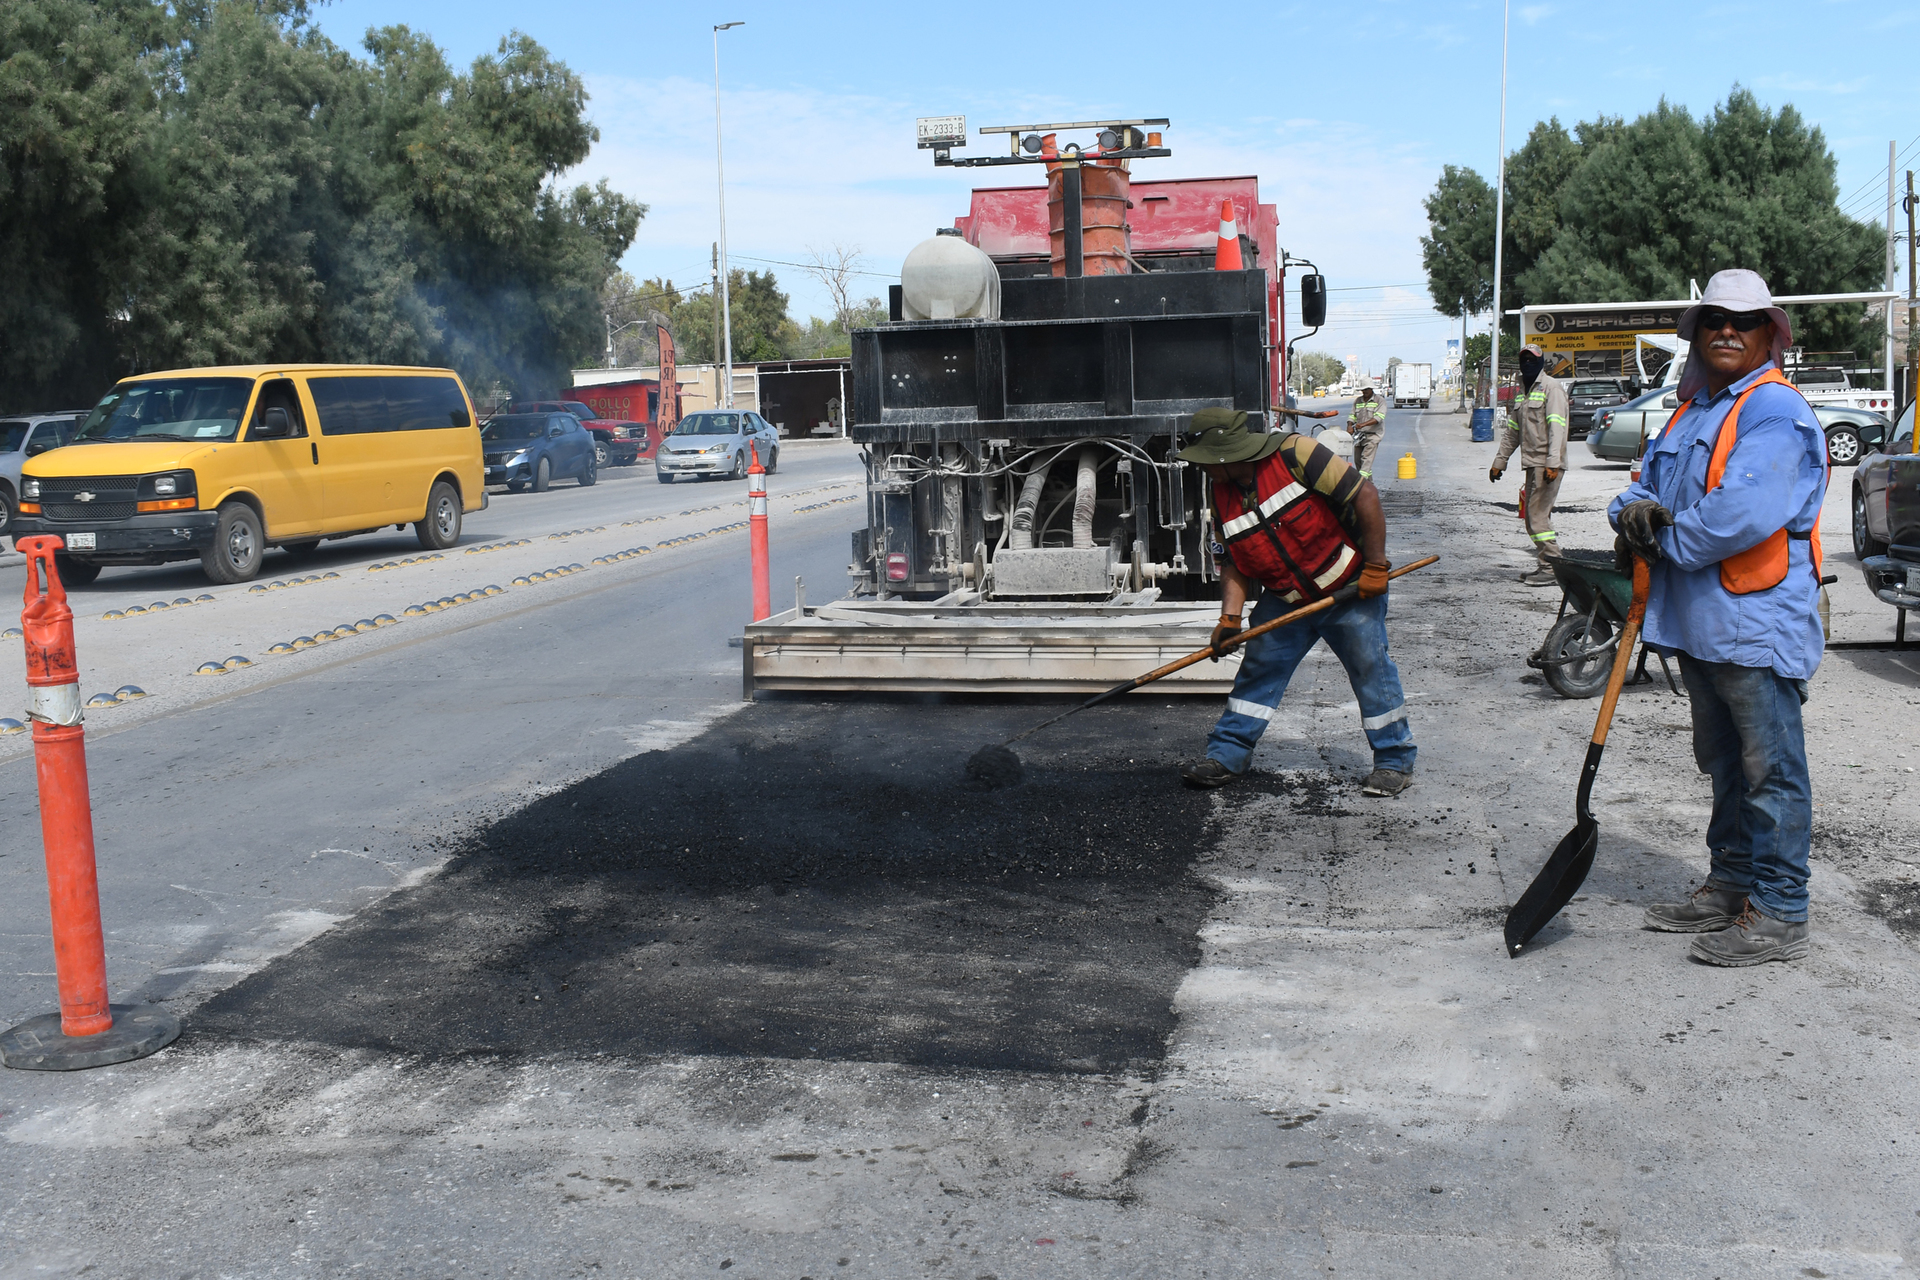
x,y
1764,564
1294,542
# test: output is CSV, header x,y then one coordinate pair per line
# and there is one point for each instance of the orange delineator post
x,y
757,537
66,810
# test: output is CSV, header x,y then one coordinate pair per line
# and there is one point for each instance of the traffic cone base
x,y
38,1044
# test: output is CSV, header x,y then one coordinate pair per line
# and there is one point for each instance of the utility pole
x,y
720,165
713,296
1499,212
1463,355
1913,299
1893,258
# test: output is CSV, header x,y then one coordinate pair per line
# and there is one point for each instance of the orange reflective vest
x,y
1764,564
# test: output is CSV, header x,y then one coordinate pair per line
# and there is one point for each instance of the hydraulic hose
x,y
1020,537
1083,497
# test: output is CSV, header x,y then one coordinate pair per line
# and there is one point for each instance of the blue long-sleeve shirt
x,y
1775,477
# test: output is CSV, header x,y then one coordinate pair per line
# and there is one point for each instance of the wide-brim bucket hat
x,y
1734,290
1222,438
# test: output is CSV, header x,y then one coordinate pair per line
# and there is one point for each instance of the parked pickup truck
x,y
616,441
1886,520
1825,386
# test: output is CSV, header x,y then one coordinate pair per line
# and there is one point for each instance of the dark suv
x,y
1587,396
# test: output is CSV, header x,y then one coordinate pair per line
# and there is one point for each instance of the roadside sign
x,y
1610,329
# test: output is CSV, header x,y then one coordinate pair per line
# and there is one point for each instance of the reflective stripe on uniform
x,y
1247,520
1339,567
1548,536
1376,722
1240,706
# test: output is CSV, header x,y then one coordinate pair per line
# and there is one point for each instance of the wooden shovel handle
x,y
1623,656
1345,593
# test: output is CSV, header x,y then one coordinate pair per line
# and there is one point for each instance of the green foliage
x,y
1317,369
1479,344
217,182
1617,211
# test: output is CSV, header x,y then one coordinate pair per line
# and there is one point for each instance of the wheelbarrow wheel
x,y
1578,657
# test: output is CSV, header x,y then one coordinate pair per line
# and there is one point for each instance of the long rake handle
x,y
1347,592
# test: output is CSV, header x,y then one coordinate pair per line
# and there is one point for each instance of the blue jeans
x,y
1747,737
1356,631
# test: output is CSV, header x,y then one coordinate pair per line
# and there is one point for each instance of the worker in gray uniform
x,y
1538,429
1367,422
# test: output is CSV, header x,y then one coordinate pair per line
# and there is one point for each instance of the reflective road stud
x,y
87,1032
757,537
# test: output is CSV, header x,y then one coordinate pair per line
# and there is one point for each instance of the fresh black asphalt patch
x,y
804,880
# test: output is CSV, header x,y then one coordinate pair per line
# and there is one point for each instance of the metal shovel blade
x,y
1554,887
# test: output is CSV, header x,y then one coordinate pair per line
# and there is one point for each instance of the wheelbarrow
x,y
1577,655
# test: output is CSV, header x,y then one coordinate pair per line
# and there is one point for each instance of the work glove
x,y
1373,578
1553,473
1639,522
1493,472
1229,628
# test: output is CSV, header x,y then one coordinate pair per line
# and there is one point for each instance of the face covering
x,y
1530,367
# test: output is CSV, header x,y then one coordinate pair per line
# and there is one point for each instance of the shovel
x,y
1572,858
997,766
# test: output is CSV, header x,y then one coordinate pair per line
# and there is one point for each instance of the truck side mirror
x,y
274,425
1313,300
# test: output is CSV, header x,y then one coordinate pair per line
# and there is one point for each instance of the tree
x,y
1318,369
835,270
761,328
1615,212
214,180
1479,344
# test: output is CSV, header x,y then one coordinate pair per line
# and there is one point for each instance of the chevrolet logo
x,y
83,496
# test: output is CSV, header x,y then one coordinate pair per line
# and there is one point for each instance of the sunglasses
x,y
1744,321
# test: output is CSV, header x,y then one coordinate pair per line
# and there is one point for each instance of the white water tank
x,y
946,278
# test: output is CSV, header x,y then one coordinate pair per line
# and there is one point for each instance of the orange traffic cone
x,y
1226,253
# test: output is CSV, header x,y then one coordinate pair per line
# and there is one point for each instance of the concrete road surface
x,y
509,943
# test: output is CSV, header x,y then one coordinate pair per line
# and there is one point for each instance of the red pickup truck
x,y
616,441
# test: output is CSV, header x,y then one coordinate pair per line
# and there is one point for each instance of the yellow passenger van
x,y
222,463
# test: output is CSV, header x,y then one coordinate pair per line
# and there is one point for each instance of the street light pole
x,y
1500,212
720,164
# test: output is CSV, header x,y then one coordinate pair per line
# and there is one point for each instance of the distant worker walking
x,y
1368,423
1726,512
1298,521
1540,404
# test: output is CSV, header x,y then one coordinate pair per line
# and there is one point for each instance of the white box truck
x,y
1412,385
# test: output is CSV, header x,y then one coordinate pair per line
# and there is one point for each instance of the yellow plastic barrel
x,y
1409,469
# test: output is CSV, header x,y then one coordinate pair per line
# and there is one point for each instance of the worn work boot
x,y
1207,773
1754,938
1707,909
1540,577
1386,782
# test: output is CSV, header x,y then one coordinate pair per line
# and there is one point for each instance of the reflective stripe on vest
x,y
1300,549
1764,564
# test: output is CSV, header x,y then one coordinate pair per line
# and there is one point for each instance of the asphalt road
x,y
509,943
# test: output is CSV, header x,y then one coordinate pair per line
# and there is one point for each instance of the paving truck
x,y
1027,526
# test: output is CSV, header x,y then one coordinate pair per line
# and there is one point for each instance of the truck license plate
x,y
80,542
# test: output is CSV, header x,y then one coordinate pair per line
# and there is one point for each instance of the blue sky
x,y
1345,112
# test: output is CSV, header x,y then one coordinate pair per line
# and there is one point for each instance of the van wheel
x,y
589,473
441,527
301,550
74,573
542,475
238,542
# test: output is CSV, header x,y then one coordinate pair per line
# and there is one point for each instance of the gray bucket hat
x,y
1734,290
